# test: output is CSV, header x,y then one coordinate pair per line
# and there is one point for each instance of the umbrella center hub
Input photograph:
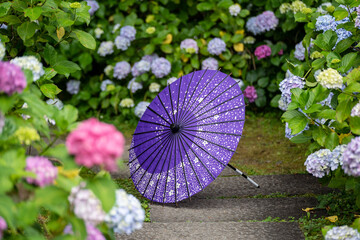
x,y
175,127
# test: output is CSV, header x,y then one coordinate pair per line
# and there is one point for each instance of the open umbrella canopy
x,y
187,136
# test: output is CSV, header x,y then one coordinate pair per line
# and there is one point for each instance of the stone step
x,y
296,184
219,231
227,210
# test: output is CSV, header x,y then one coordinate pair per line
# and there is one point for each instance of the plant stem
x,y
50,144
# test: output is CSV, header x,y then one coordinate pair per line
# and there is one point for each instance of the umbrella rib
x,y
207,124
209,94
206,152
175,168
148,149
164,108
149,157
207,83
182,163
212,142
187,90
155,123
167,172
217,98
171,102
158,114
146,141
192,167
160,130
177,109
222,133
200,160
162,167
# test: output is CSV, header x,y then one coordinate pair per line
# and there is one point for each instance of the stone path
x,y
231,208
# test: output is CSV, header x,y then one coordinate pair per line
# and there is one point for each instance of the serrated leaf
x,y
86,39
50,90
66,67
26,30
33,13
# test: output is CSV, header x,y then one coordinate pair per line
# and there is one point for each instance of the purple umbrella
x,y
187,136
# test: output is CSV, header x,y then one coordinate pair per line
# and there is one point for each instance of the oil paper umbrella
x,y
187,136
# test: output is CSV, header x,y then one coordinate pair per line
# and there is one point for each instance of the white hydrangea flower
x,y
284,8
134,86
56,102
141,108
355,111
2,51
154,87
25,117
330,78
49,120
322,8
109,70
116,27
171,80
106,48
86,205
31,63
98,32
127,103
234,9
342,233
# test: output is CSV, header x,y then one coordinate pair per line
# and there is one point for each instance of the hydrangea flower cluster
x,y
160,67
94,6
98,32
141,108
283,104
86,205
297,6
189,45
342,232
284,8
96,143
357,19
3,226
55,102
210,64
318,163
121,70
122,43
263,22
127,103
336,157
105,83
351,158
31,63
127,214
109,70
154,87
134,86
12,79
322,9
355,111
329,78
216,46
234,9
45,171
73,86
262,51
342,34
129,32
92,232
250,93
26,135
171,80
2,51
106,48
299,51
116,27
150,58
325,22
289,83
140,67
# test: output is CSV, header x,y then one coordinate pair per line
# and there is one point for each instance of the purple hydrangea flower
x,y
106,48
73,86
342,233
289,83
336,157
3,226
160,67
92,232
134,86
252,26
94,6
128,32
351,158
12,79
140,67
216,46
262,51
357,20
318,163
324,23
121,70
189,45
250,93
45,171
267,21
122,43
150,58
210,63
299,51
105,83
327,101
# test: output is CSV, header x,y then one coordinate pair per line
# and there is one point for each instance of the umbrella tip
x,y
258,186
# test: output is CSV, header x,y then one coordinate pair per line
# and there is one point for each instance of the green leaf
x,y
355,125
33,13
4,8
318,63
26,30
50,90
86,39
319,135
50,54
352,87
225,3
332,140
347,62
326,41
301,138
343,45
263,82
275,101
260,101
327,114
66,117
53,198
103,188
166,48
66,67
149,49
195,62
340,13
10,19
297,124
344,107
204,6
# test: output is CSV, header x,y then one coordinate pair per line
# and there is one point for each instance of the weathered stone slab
x,y
230,210
219,231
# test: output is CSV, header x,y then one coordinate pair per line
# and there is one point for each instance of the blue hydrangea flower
x,y
216,46
324,23
318,163
289,83
342,34
121,70
150,58
94,6
299,51
251,26
140,67
106,48
73,86
351,158
342,233
122,43
160,67
335,159
210,63
327,101
128,32
127,214
134,86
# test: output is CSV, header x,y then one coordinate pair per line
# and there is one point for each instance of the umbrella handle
x,y
242,174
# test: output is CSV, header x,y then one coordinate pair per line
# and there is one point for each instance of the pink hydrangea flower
x,y
262,51
46,173
281,52
250,93
3,226
96,143
12,79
